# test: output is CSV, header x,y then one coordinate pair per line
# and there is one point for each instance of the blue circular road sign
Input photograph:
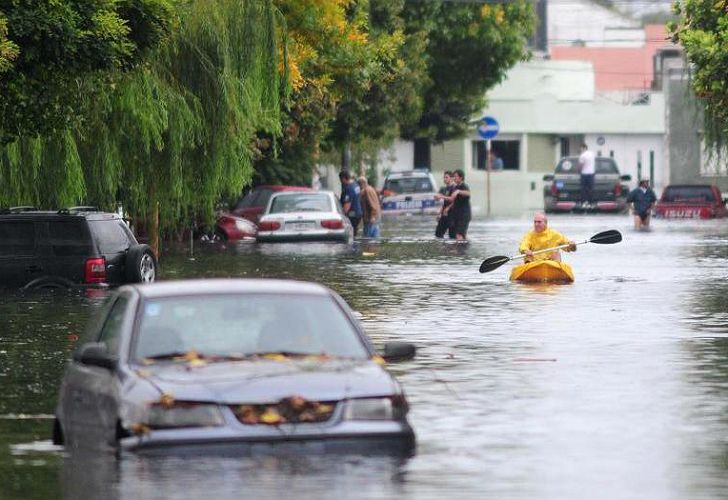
x,y
488,127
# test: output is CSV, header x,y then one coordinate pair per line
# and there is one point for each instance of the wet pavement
x,y
615,386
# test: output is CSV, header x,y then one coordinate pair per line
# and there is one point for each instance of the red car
x,y
691,202
240,222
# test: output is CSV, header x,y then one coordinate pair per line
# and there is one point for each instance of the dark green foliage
x,y
470,48
61,43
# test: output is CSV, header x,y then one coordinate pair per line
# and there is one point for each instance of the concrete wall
x,y
450,155
627,148
540,153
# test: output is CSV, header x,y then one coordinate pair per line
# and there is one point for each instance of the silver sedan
x,y
233,366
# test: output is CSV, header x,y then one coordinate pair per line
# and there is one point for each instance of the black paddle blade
x,y
493,263
606,237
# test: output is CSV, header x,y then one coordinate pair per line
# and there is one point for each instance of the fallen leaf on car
x,y
166,400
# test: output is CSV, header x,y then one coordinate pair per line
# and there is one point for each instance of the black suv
x,y
78,246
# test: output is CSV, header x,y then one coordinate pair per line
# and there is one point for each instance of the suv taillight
x,y
95,270
618,189
554,189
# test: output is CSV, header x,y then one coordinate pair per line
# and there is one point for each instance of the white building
x,y
545,110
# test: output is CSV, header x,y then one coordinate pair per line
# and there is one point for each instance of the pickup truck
x,y
562,189
700,201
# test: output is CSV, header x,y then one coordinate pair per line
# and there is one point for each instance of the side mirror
x,y
626,177
398,351
96,354
548,177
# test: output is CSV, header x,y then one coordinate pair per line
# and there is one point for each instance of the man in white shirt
x,y
587,169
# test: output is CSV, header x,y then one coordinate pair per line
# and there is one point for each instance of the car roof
x,y
409,173
282,187
54,214
682,186
310,191
161,289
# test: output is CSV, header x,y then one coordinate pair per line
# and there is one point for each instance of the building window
x,y
506,151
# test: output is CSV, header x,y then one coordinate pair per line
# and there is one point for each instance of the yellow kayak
x,y
543,270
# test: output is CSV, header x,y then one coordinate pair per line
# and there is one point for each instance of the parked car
x,y
699,201
224,363
411,192
562,189
73,247
233,225
304,216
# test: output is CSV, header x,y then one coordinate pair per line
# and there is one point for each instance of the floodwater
x,y
613,387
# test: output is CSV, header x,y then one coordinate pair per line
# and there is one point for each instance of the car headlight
x,y
391,408
182,414
241,226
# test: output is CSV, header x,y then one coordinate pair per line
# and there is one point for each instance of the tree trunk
x,y
346,158
153,229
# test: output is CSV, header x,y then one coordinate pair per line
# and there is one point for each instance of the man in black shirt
x,y
460,209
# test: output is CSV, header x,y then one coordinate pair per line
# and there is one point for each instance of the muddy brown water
x,y
615,386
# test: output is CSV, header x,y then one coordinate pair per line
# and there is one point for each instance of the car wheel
x,y
57,435
141,264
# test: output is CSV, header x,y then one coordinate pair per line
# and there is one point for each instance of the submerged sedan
x,y
229,364
301,216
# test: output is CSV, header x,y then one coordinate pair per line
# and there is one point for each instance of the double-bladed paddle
x,y
603,238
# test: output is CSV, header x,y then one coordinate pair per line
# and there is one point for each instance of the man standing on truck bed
x,y
587,169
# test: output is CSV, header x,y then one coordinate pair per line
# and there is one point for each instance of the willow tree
x,y
177,134
168,138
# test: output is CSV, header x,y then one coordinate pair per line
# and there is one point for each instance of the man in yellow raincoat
x,y
542,237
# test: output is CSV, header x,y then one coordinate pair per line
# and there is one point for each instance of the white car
x,y
304,216
411,192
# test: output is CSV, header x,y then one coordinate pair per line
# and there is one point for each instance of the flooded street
x,y
615,386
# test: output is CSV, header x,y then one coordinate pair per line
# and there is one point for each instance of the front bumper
x,y
356,437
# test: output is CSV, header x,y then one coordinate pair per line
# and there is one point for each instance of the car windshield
x,y
245,325
688,194
409,185
571,166
301,202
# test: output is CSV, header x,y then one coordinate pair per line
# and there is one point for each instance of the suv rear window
x,y
112,236
17,237
69,237
571,166
409,185
689,194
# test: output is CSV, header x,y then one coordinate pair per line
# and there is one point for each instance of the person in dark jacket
x,y
444,223
642,199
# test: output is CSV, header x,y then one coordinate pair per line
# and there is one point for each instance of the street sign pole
x,y
487,175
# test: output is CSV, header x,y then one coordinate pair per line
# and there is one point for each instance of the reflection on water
x,y
616,384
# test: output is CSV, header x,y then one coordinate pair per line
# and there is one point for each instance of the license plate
x,y
300,226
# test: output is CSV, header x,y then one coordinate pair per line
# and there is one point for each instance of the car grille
x,y
291,410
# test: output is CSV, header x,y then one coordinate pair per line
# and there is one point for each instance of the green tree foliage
x,y
355,76
60,42
702,30
471,47
8,50
174,133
